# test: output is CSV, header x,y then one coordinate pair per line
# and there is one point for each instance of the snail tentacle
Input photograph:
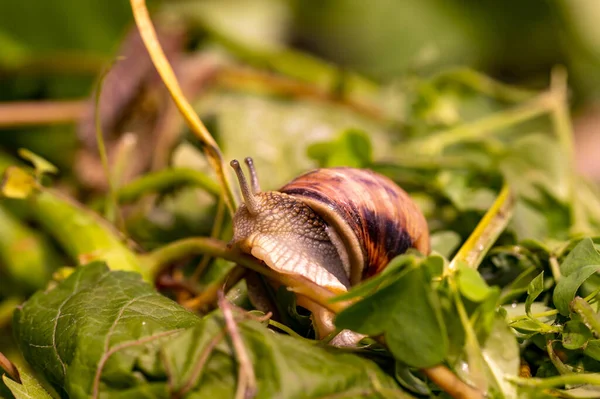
x,y
253,175
249,198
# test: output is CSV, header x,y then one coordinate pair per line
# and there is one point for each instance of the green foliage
x,y
451,140
112,331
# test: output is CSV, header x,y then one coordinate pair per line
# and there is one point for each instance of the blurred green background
x,y
55,49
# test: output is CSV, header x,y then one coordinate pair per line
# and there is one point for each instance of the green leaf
x,y
575,334
111,333
471,284
408,314
445,242
592,349
583,254
72,332
397,267
40,164
534,289
567,287
29,388
285,367
500,352
351,148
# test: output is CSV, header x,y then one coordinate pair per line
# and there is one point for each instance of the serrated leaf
x,y
534,289
285,367
70,334
408,314
567,287
471,284
111,334
40,164
29,388
17,183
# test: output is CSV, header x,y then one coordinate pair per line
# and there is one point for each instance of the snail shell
x,y
334,226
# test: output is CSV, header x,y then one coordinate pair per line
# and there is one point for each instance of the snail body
x,y
333,226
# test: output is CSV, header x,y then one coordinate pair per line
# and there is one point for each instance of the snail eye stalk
x,y
249,198
253,176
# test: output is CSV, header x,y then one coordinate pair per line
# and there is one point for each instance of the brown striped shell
x,y
375,219
334,227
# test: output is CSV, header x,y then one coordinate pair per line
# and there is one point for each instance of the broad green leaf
x,y
408,314
29,388
567,287
71,333
575,334
397,267
471,284
112,334
534,289
583,254
285,367
500,352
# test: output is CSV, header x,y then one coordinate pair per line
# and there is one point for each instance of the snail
x,y
334,226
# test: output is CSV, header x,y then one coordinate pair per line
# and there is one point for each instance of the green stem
x,y
533,316
553,382
486,85
165,180
564,130
155,261
435,142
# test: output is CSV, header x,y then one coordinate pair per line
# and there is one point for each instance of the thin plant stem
x,y
553,382
209,295
155,261
215,233
31,113
564,130
9,368
555,268
215,158
247,379
111,210
475,130
486,233
165,180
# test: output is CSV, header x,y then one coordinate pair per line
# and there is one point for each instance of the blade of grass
x,y
487,231
148,34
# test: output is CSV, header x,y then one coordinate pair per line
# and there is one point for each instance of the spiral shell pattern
x,y
382,217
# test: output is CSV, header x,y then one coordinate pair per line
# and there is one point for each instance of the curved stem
x,y
148,34
163,256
